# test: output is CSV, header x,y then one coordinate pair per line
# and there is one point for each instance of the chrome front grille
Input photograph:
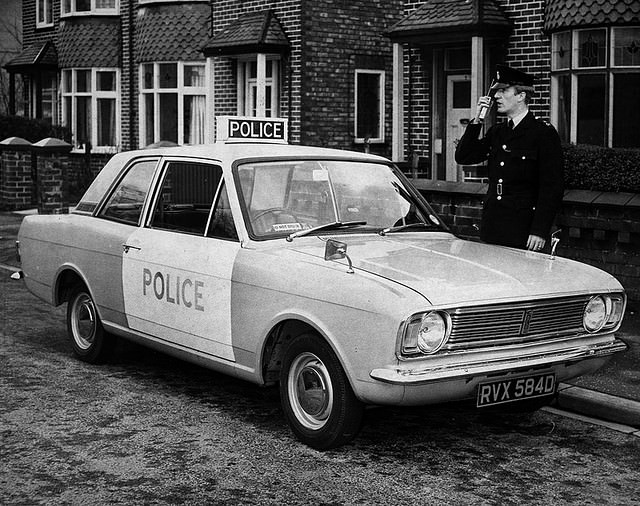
x,y
496,325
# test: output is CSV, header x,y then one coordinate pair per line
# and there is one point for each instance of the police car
x,y
322,271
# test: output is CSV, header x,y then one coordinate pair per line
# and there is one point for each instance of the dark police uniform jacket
x,y
525,178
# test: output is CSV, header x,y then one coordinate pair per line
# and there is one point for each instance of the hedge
x,y
31,129
603,169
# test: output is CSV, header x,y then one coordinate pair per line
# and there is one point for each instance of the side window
x,y
127,199
185,197
222,225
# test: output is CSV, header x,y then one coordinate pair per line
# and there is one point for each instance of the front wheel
x,y
316,396
88,338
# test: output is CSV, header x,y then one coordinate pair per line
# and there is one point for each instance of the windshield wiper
x,y
326,226
400,228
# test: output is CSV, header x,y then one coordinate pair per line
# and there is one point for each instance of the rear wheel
x,y
89,341
316,396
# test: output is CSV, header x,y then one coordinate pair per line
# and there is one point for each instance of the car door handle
x,y
127,247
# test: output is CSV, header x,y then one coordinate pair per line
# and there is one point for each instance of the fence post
x,y
52,165
16,181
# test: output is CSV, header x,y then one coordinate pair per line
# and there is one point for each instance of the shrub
x,y
602,169
31,129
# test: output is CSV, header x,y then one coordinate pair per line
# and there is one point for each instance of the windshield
x,y
284,197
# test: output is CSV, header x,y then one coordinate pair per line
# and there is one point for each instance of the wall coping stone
x,y
581,197
15,144
53,145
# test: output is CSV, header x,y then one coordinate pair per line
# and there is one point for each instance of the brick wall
x,y
288,12
338,38
529,48
597,228
16,181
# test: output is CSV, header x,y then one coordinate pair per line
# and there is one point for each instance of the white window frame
x,y
574,71
379,136
94,94
181,90
47,15
247,105
72,10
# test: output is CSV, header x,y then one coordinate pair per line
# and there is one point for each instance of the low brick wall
x,y
597,228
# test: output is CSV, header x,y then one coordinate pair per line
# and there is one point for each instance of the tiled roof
x,y
251,32
89,42
36,55
451,15
569,13
171,32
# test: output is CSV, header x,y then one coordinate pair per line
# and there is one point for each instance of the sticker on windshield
x,y
320,175
287,227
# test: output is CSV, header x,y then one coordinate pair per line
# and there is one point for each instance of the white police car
x,y
322,270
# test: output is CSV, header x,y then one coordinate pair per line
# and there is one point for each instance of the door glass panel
x,y
169,117
462,94
185,199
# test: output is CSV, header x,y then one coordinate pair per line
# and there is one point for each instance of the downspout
x,y
132,107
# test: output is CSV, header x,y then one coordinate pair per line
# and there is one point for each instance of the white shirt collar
x,y
519,117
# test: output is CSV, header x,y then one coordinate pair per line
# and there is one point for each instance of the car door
x,y
177,268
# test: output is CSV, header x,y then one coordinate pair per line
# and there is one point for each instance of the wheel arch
x,y
67,278
276,342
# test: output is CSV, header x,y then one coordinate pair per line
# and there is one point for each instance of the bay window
x,y
88,7
90,106
595,81
173,103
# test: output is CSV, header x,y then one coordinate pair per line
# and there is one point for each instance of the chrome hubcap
x,y
310,391
83,321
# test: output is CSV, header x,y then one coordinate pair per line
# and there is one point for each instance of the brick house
x,y
398,77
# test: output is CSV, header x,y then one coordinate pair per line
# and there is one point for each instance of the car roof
x,y
229,151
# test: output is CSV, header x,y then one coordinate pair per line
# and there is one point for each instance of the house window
x,y
43,97
44,13
258,87
89,7
595,78
173,103
369,106
90,106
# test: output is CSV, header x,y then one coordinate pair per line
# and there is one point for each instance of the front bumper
x,y
407,376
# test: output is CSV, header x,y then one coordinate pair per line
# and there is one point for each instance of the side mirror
x,y
336,250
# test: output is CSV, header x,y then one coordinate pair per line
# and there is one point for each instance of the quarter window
x,y
369,106
90,106
127,200
595,79
173,103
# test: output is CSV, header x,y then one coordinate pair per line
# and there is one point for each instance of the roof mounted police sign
x,y
251,129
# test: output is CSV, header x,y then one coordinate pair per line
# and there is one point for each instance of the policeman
x,y
525,164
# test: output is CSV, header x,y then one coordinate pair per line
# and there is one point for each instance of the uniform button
x,y
501,164
504,146
524,157
499,180
499,197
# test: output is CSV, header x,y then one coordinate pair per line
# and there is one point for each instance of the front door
x,y
176,270
459,113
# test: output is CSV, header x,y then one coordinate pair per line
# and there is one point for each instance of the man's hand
x,y
535,243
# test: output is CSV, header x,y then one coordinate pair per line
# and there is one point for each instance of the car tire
x,y
316,396
88,338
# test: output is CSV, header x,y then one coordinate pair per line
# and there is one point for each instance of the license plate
x,y
515,389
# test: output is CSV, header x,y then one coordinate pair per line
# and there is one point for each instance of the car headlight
x,y
603,312
426,333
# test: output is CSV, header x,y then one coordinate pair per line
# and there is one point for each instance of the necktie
x,y
511,126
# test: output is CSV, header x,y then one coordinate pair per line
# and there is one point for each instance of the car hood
x,y
447,270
